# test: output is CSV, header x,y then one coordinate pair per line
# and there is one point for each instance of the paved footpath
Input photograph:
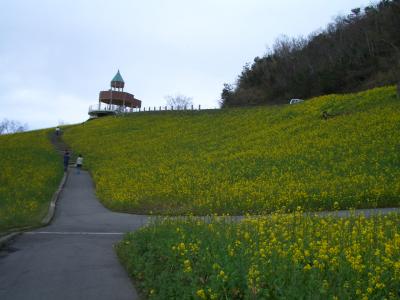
x,y
72,258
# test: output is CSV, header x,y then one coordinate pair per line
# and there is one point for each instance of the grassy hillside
x,y
249,160
30,171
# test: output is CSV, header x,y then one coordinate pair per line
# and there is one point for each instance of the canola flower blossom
x,y
281,256
30,171
248,160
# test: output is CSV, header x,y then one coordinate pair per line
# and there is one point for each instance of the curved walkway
x,y
72,258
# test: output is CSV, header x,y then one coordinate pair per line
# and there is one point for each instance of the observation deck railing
x,y
120,109
110,108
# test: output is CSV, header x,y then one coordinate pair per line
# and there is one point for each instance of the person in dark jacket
x,y
66,160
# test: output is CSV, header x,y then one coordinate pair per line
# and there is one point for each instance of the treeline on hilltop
x,y
355,52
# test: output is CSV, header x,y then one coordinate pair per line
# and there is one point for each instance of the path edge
x,y
52,206
46,220
7,238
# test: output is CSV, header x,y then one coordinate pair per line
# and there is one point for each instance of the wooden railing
x,y
121,109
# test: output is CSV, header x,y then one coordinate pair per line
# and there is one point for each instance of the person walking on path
x,y
57,131
79,162
66,160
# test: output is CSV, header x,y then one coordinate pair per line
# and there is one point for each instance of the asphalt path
x,y
73,258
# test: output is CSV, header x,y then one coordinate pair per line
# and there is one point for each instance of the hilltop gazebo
x,y
115,100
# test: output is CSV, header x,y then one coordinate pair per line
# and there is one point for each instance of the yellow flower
x,y
187,266
201,294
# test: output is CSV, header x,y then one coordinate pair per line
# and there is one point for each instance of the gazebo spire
x,y
117,82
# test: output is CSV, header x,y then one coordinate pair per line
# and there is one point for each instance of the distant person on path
x,y
79,162
66,160
57,131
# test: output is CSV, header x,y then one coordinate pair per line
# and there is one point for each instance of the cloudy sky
x,y
56,55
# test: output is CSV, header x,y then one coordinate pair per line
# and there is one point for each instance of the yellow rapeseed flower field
x,y
30,171
248,160
281,256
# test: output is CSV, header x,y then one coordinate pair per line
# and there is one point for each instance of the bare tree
x,y
179,100
12,126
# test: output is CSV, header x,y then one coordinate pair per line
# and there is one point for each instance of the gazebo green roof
x,y
117,78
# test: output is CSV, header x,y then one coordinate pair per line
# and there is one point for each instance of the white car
x,y
293,101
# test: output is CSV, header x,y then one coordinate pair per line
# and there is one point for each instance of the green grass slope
x,y
30,171
248,160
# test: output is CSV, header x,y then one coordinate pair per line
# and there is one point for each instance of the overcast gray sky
x,y
56,55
